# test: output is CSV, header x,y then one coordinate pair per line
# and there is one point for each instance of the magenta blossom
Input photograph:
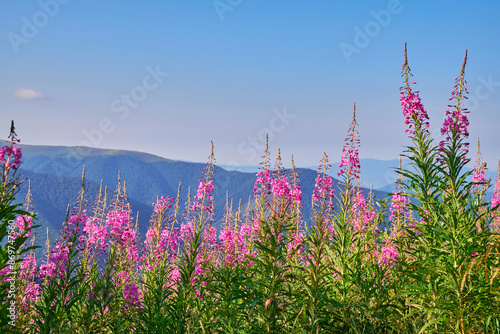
x,y
323,189
132,295
349,163
263,183
10,156
119,229
495,203
456,123
415,114
58,263
398,206
363,216
388,255
416,117
204,194
280,187
22,224
455,127
162,204
96,235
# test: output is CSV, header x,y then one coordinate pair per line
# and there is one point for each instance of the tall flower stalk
x,y
495,203
16,225
453,232
196,241
63,280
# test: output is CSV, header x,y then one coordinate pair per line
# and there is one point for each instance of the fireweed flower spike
x,y
281,187
10,158
263,182
351,234
262,188
10,155
478,175
453,238
349,162
276,244
296,194
455,125
495,203
198,238
416,117
161,240
17,290
204,198
422,154
323,193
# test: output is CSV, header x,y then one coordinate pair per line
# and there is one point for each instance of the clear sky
x,y
166,77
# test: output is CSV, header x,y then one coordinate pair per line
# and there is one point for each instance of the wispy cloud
x,y
29,94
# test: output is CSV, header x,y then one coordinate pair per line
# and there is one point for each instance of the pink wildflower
x,y
323,189
263,183
388,255
204,194
5,272
10,156
349,162
398,206
416,117
162,205
96,235
495,203
132,295
478,175
280,186
363,216
455,125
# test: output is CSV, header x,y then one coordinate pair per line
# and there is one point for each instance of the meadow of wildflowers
x,y
424,260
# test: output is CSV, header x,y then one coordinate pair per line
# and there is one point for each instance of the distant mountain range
x,y
380,172
55,175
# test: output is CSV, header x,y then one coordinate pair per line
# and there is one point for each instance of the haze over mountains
x,y
379,173
55,174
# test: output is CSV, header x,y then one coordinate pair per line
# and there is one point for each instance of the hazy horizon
x,y
167,77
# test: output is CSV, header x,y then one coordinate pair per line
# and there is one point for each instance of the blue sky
x,y
166,77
